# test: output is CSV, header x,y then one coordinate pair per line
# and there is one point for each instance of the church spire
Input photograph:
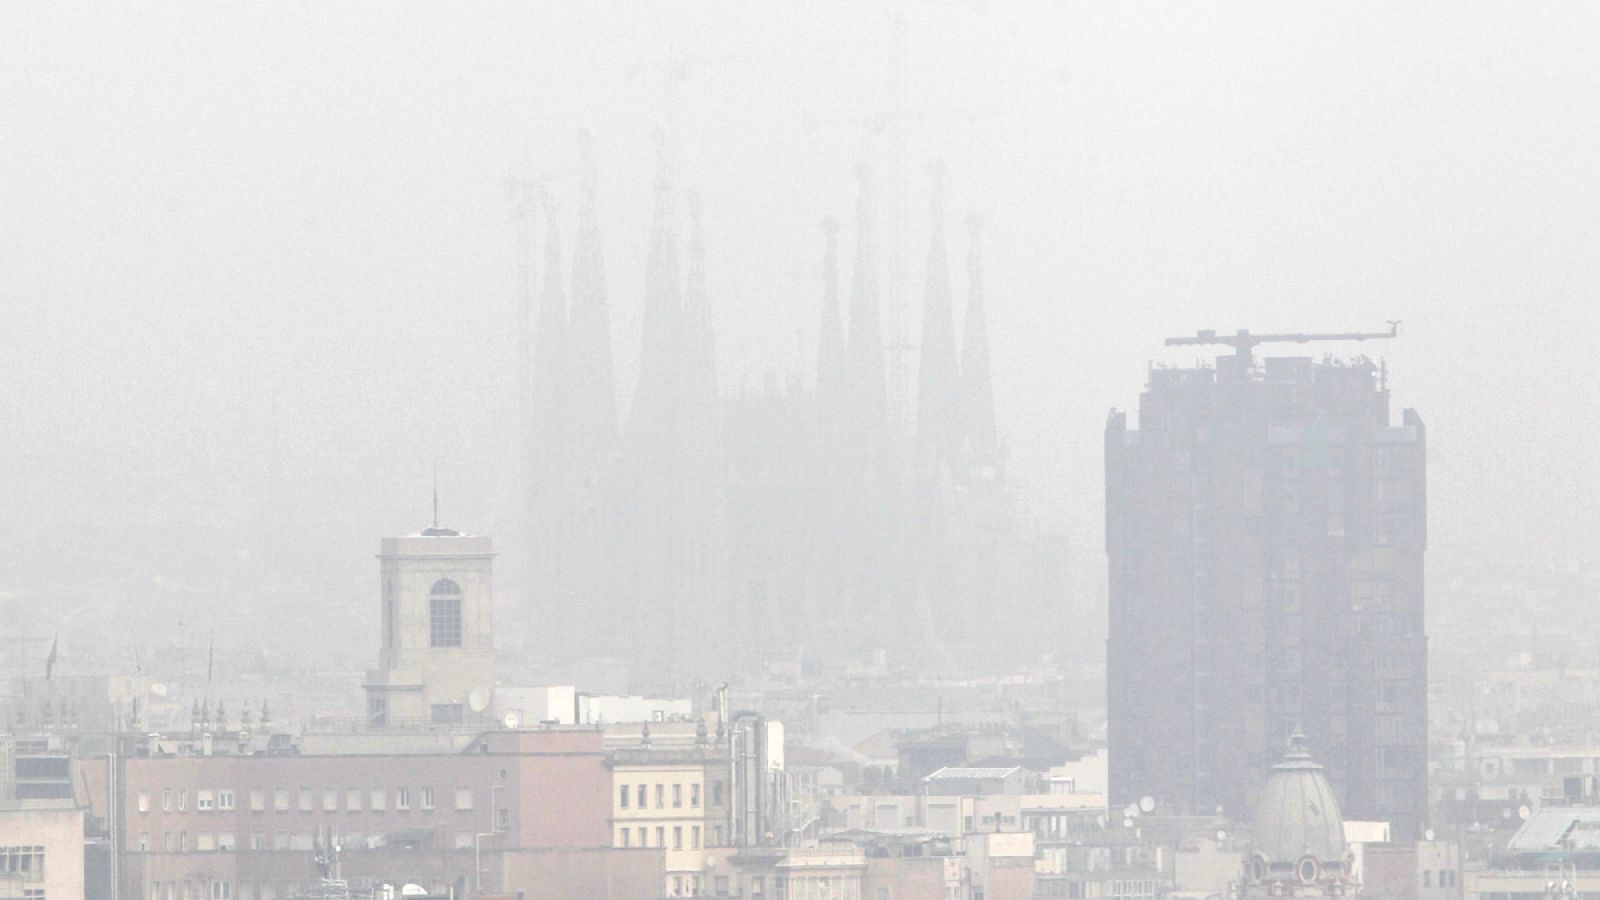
x,y
699,338
868,408
977,389
830,340
593,385
550,350
938,376
548,451
660,345
553,302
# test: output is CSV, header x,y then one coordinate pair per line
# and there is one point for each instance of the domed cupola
x,y
1297,846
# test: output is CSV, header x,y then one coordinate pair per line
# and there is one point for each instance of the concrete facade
x,y
1265,526
41,850
436,665
675,801
611,874
250,827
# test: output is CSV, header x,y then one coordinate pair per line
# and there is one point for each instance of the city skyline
x,y
392,317
798,450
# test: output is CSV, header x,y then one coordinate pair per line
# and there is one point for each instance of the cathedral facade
x,y
707,533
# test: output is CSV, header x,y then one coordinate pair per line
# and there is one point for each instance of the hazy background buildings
x,y
253,261
268,279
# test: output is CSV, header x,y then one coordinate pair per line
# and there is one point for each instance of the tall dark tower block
x,y
1265,525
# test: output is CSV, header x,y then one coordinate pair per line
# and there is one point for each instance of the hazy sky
x,y
218,222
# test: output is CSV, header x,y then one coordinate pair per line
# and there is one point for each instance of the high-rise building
x,y
1265,525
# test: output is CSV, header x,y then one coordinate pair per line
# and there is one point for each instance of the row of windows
x,y
1132,889
178,842
640,837
631,796
25,863
181,842
376,799
216,890
1447,878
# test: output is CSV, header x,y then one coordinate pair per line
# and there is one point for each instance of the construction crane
x,y
675,71
1242,341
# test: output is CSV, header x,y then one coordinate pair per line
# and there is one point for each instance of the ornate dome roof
x,y
1298,815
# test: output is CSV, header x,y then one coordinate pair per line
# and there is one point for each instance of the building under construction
x,y
1266,524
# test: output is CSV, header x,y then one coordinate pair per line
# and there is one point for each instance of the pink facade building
x,y
510,806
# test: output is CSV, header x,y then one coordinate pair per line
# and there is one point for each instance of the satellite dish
x,y
511,721
1147,804
1428,835
1221,835
159,689
478,700
1127,823
1524,813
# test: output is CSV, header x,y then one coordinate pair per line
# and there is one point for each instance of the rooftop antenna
x,y
435,493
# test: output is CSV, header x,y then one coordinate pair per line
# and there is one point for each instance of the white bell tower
x,y
436,666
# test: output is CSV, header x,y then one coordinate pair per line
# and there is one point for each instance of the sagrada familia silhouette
x,y
709,533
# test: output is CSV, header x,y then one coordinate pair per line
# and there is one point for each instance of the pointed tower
x,y
550,342
868,404
651,543
938,375
592,397
940,591
592,385
980,442
699,342
524,205
705,493
661,345
837,530
831,379
548,462
872,509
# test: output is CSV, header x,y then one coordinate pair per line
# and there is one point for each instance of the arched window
x,y
444,614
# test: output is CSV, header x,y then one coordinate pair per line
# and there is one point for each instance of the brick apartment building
x,y
513,811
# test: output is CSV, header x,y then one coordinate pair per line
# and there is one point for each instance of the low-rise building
x,y
999,866
200,823
41,850
837,872
1555,853
982,780
674,800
